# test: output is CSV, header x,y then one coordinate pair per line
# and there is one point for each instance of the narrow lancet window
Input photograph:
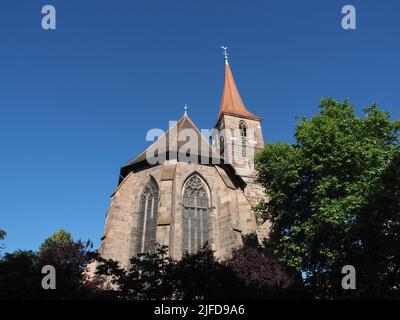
x,y
243,136
148,214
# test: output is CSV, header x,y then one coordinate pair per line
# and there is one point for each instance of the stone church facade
x,y
193,194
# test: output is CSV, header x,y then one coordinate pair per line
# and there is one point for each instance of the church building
x,y
190,195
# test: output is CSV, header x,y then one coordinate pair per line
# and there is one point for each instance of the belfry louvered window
x,y
243,135
195,204
221,145
148,213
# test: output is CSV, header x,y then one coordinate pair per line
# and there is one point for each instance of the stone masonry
x,y
150,204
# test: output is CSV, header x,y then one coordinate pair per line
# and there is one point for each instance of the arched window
x,y
148,211
242,129
243,135
195,204
221,145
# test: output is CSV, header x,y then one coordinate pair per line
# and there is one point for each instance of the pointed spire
x,y
186,109
231,101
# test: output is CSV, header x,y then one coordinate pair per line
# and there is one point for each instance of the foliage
x,y
58,239
261,276
249,274
2,236
21,276
70,261
334,199
145,279
151,276
198,276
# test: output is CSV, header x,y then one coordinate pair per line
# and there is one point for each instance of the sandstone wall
x,y
229,212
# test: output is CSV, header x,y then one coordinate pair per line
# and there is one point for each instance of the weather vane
x,y
225,53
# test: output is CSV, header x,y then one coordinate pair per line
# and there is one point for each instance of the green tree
x,y
201,276
145,279
20,276
2,236
249,274
334,199
21,271
58,239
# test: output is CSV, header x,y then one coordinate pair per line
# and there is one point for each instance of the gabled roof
x,y
174,141
231,101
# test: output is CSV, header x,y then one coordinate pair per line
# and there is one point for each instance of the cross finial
x,y
186,109
225,53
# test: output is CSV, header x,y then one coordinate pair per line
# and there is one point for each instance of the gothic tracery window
x,y
148,213
195,204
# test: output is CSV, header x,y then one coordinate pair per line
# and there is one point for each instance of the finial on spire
x,y
231,101
186,109
225,53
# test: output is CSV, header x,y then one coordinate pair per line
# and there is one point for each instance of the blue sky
x,y
76,103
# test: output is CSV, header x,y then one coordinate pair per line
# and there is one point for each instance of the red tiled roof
x,y
231,101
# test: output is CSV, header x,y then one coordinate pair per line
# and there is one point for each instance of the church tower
x,y
182,197
240,135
